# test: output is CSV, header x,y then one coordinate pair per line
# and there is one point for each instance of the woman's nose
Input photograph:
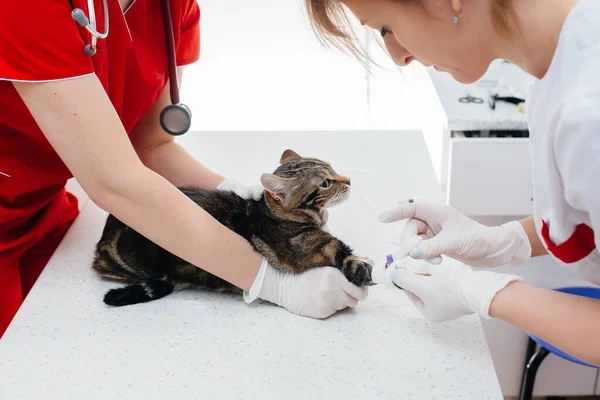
x,y
403,62
399,54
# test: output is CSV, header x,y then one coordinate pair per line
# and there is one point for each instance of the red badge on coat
x,y
575,248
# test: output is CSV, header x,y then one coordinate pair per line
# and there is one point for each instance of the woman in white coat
x,y
557,42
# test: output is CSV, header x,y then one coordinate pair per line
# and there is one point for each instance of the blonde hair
x,y
331,24
503,16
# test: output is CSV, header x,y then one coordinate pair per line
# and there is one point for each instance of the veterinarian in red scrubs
x,y
558,42
64,113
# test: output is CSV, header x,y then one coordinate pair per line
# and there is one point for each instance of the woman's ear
x,y
278,187
456,7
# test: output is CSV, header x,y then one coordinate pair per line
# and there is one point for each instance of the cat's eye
x,y
384,31
326,183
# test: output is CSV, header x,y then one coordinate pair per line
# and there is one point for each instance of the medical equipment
x,y
509,99
400,259
176,118
404,247
79,17
470,99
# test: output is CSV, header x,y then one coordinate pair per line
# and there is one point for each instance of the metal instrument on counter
x,y
509,99
470,99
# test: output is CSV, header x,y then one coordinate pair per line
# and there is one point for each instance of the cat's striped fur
x,y
284,226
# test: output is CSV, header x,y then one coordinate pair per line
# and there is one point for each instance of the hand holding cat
x,y
253,192
317,293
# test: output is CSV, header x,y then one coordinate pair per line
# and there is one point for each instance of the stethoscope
x,y
175,118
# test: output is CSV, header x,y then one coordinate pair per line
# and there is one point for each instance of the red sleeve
x,y
40,41
188,50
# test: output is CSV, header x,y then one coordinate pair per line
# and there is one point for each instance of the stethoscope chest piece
x,y
176,119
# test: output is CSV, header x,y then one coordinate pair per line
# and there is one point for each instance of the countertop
x,y
501,78
66,344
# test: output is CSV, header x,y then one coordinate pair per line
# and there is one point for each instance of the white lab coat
x,y
563,111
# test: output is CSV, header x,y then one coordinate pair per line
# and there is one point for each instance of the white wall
x,y
261,67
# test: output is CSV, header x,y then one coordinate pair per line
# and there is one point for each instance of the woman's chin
x,y
463,78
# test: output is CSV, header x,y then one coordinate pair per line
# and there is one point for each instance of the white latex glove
x,y
253,192
447,294
325,219
446,231
317,293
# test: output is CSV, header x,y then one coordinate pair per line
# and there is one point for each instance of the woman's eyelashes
x,y
384,31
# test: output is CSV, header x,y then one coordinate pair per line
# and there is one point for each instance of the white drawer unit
x,y
490,176
485,165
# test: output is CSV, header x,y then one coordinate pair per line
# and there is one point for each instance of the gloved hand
x,y
449,293
325,219
317,293
446,231
253,192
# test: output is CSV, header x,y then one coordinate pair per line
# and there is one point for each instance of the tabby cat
x,y
284,226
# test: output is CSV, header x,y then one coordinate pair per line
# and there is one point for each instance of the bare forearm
x,y
177,166
571,323
537,248
91,141
152,206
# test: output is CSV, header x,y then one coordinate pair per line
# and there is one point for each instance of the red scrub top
x,y
39,41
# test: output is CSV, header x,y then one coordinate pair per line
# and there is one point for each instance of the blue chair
x,y
537,349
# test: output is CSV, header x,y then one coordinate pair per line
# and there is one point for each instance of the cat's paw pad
x,y
358,270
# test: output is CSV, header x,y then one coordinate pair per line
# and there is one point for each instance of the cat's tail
x,y
138,293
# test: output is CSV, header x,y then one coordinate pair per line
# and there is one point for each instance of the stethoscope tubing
x,y
90,24
170,42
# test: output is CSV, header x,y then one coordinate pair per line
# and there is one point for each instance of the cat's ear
x,y
277,186
289,155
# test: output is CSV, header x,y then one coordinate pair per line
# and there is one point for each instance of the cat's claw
x,y
358,271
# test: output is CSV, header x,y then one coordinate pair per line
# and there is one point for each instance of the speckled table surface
x,y
66,344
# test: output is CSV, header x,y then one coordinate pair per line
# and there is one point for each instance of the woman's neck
x,y
534,41
125,4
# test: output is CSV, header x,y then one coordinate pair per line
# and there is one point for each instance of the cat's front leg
x,y
314,249
358,270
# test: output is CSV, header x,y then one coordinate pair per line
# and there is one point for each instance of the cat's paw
x,y
358,270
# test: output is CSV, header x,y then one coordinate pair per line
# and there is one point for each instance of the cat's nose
x,y
344,179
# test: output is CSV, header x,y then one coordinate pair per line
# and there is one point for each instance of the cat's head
x,y
304,185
